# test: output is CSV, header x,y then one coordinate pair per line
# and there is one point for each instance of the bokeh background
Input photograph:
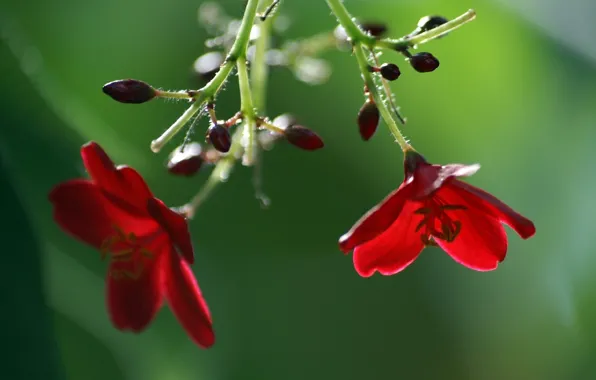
x,y
516,92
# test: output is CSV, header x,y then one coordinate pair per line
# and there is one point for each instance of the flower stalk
x,y
362,41
210,90
251,98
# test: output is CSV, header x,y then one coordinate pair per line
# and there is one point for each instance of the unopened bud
x,y
389,71
185,160
129,91
427,23
375,29
368,120
219,136
424,62
303,138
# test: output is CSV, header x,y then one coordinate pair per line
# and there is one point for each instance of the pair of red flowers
x,y
150,249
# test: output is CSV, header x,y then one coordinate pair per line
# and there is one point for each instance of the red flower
x,y
116,212
433,207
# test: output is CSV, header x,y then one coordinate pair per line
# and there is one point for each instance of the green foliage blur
x,y
286,303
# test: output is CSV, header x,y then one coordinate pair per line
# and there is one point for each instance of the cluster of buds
x,y
189,157
423,62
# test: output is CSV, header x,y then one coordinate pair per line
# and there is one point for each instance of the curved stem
x,y
225,165
389,94
212,88
409,42
347,21
387,115
248,111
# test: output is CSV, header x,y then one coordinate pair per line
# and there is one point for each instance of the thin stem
x,y
207,92
259,76
219,174
248,20
246,105
225,165
408,42
212,88
259,72
388,116
388,93
183,94
347,21
271,127
248,110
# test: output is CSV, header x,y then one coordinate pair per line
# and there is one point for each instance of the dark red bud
x,y
390,71
427,23
186,162
375,29
303,138
368,120
129,91
207,65
219,136
424,62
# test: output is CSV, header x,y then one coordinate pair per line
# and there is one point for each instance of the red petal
x,y
187,303
81,209
377,220
429,178
133,302
175,225
125,184
394,249
523,226
482,242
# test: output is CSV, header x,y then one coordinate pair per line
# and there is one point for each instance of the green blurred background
x,y
515,92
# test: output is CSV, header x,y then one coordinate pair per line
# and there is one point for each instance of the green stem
x,y
248,111
259,70
212,88
183,94
225,165
410,42
387,115
219,174
248,20
347,21
246,105
259,76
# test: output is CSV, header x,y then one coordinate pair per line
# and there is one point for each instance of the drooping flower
x,y
148,245
433,207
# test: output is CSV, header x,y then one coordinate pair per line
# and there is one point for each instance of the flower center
x,y
436,224
127,252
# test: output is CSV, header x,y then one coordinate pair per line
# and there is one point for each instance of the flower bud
x,y
375,29
389,71
303,138
207,65
219,136
368,120
427,23
129,91
185,162
424,62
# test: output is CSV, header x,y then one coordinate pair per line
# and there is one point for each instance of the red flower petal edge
x,y
116,213
433,207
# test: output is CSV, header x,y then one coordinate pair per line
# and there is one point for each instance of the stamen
x,y
126,248
435,210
